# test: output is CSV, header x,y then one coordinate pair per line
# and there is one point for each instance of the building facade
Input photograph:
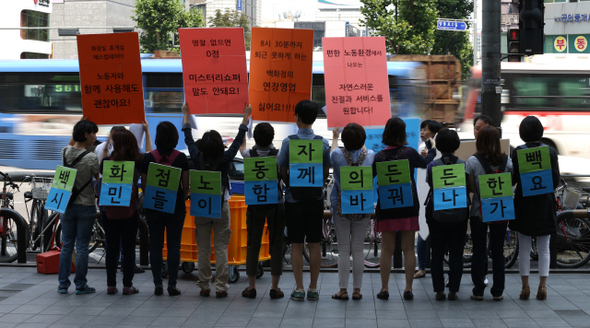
x,y
25,43
251,8
567,27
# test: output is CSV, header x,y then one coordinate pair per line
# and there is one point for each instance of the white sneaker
x,y
486,281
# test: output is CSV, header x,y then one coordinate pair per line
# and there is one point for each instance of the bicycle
x,y
38,215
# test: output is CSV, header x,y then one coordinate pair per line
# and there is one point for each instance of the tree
x,y
159,21
232,18
455,43
407,25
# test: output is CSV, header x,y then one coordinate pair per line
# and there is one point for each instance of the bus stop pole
x,y
491,88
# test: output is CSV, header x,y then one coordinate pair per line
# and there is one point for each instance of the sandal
x,y
341,296
357,296
419,275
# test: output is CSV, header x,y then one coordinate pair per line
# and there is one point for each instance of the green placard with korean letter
x,y
356,178
205,182
533,159
393,172
448,176
495,185
260,168
306,151
118,172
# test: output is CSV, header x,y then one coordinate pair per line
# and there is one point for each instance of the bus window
x,y
574,92
531,92
163,92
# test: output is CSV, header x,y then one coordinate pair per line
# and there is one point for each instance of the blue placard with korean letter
x,y
449,198
206,193
536,183
396,195
497,209
117,183
61,189
161,187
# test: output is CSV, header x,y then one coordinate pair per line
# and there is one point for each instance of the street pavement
x,y
30,299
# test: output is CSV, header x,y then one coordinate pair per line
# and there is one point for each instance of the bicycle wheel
x,y
8,240
38,216
371,247
510,248
97,238
572,242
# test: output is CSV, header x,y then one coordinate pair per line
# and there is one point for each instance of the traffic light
x,y
531,25
513,45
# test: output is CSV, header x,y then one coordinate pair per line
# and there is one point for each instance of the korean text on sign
x,y
111,78
261,180
214,69
117,183
395,184
161,187
535,171
495,192
356,185
450,190
61,189
357,84
206,193
306,163
280,72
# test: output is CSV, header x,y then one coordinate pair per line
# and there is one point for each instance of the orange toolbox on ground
x,y
48,262
237,248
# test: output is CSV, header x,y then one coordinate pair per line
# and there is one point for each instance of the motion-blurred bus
x,y
40,101
556,90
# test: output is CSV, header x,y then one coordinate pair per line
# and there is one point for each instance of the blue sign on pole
x,y
451,25
239,5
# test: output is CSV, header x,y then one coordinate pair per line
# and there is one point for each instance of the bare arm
x,y
335,135
186,190
149,146
243,146
470,183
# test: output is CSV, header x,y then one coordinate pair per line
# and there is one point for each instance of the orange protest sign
x,y
214,69
280,72
110,76
356,81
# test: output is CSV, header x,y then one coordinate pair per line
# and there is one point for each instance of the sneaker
x,y
159,290
173,291
312,294
85,290
276,293
111,290
130,290
453,296
486,281
62,290
440,296
476,297
298,295
249,292
498,298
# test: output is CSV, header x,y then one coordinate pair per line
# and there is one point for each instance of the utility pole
x,y
475,49
491,88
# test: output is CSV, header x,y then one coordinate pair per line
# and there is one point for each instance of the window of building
x,y
30,18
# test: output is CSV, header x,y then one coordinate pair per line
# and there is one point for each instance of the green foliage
x,y
159,21
407,25
455,43
232,18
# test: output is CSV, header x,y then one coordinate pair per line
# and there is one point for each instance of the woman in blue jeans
x,y
490,152
79,216
172,223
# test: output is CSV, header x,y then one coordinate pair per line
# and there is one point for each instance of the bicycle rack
x,y
21,233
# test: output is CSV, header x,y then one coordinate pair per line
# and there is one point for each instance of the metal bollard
x,y
21,233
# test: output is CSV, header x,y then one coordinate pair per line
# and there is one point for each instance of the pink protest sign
x,y
356,81
214,70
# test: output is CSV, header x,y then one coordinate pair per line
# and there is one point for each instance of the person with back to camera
x,y
404,219
535,215
304,206
428,130
121,223
489,158
350,229
446,230
256,215
208,154
172,223
78,218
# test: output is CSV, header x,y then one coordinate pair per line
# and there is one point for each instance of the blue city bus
x,y
40,101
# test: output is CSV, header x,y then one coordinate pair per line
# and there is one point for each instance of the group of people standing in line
x,y
302,214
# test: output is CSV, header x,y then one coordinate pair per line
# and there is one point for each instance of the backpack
x,y
125,212
306,194
448,215
349,162
75,191
164,159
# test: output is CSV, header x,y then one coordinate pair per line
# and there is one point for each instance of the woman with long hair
x,y
404,219
121,223
489,157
